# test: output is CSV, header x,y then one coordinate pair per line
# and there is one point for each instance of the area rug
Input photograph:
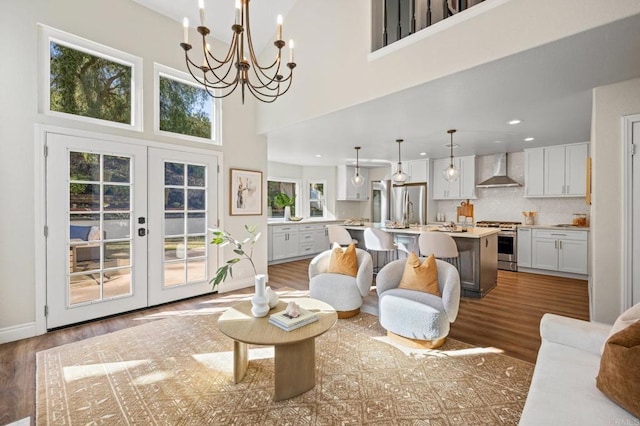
x,y
178,371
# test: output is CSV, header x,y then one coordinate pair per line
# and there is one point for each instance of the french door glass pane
x,y
185,246
100,241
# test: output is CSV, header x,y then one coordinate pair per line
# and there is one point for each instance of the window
x,y
183,108
286,186
87,81
317,199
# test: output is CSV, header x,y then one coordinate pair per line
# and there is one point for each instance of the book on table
x,y
288,323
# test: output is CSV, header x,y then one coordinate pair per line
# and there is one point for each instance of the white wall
x,y
610,104
334,71
508,203
121,24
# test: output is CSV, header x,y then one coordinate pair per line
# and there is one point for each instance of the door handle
x,y
556,243
560,244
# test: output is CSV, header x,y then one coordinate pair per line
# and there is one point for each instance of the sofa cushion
x,y
344,261
79,232
619,375
563,390
420,276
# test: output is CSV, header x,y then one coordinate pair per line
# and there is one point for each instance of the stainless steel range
x,y
507,243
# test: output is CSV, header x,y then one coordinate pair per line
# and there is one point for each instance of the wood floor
x,y
507,318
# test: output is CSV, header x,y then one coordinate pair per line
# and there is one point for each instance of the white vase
x,y
287,213
273,298
260,302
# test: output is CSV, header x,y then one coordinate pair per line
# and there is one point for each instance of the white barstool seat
x,y
338,234
442,246
381,241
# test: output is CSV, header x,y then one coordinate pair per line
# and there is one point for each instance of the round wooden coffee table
x,y
295,351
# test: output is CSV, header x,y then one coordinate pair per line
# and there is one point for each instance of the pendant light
x,y
451,173
357,179
399,177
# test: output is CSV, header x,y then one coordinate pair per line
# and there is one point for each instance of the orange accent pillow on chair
x,y
420,276
344,261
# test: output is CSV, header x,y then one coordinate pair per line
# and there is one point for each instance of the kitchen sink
x,y
567,225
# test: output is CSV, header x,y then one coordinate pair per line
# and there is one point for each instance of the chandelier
x,y
451,173
399,177
217,75
357,179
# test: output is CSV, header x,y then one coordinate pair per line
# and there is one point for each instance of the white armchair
x,y
416,318
343,292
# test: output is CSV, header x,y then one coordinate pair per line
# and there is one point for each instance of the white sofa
x,y
563,389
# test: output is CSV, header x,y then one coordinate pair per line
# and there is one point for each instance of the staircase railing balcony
x,y
394,20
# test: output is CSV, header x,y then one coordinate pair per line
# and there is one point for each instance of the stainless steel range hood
x,y
499,177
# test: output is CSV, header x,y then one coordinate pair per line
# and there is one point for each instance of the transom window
x,y
87,81
183,109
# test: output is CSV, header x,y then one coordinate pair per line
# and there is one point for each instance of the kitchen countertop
x,y
305,220
471,232
556,227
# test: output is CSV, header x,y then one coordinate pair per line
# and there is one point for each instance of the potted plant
x,y
244,250
281,200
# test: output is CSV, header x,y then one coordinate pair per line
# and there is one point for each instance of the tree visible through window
x,y
185,109
88,85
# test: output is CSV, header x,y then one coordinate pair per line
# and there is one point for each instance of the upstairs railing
x,y
396,19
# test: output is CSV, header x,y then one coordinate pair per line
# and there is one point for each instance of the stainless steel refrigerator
x,y
408,203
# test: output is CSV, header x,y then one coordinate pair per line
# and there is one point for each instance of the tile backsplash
x,y
508,203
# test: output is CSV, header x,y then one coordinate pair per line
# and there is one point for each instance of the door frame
x,y
40,189
628,222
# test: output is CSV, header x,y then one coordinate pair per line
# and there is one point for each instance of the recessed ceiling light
x,y
529,139
423,153
514,121
497,141
448,145
318,155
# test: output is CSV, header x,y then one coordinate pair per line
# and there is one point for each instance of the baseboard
x,y
553,273
17,332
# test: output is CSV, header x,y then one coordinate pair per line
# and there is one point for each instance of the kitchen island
x,y
477,250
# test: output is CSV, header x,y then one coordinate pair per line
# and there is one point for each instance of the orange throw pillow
x,y
344,262
420,276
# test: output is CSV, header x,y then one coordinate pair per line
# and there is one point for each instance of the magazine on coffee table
x,y
288,323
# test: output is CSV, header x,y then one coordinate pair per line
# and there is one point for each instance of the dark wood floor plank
x,y
507,318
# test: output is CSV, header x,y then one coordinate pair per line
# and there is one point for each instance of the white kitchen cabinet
x,y
321,238
560,250
345,189
524,247
284,242
575,176
534,172
296,240
556,171
464,187
418,170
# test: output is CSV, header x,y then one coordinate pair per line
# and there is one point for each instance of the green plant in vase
x,y
283,200
244,250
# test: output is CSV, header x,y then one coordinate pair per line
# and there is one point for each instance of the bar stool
x,y
338,234
380,241
442,246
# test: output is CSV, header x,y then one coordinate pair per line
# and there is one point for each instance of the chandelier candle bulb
x,y
279,27
185,27
201,7
238,6
290,51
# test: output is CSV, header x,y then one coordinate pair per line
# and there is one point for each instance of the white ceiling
x,y
548,87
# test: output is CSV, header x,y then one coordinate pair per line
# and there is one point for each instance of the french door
x,y
126,226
